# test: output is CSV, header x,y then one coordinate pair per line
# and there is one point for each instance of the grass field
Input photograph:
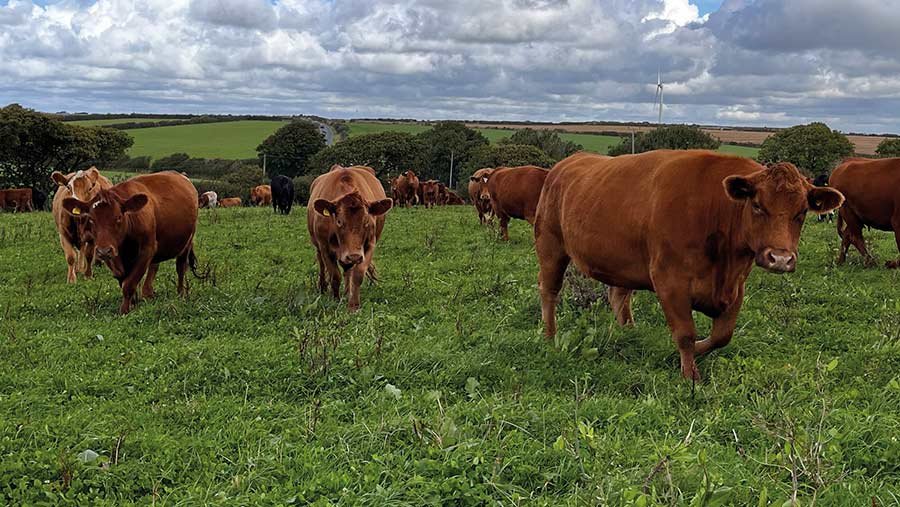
x,y
256,391
228,140
100,123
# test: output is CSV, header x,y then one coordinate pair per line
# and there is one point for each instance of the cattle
x,y
140,223
453,199
345,217
514,193
230,202
477,181
282,194
16,199
408,188
39,199
822,181
872,189
688,225
208,200
261,195
75,234
442,194
395,191
429,193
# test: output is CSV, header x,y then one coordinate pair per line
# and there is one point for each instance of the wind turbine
x,y
659,95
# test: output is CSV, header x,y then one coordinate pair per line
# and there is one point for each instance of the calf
x,y
688,225
230,202
261,195
209,199
345,218
140,223
429,193
75,235
282,194
514,193
477,183
872,189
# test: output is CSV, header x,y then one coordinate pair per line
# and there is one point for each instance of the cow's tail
x,y
192,262
372,273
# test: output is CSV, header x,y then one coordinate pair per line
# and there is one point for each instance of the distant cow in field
x,y
208,200
38,199
140,223
282,194
514,193
395,191
230,202
261,195
688,225
408,187
477,182
429,193
872,189
453,199
442,194
75,231
345,218
16,199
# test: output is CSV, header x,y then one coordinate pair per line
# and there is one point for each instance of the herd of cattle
x,y
688,225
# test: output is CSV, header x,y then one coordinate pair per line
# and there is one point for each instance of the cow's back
x,y
515,191
871,188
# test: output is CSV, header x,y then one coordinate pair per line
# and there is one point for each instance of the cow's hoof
x,y
691,372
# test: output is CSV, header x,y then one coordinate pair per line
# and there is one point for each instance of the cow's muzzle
x,y
105,253
352,259
777,261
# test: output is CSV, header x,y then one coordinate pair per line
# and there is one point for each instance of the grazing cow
x,y
429,193
140,223
209,199
75,234
453,199
345,218
408,188
230,202
17,199
282,194
688,225
872,189
261,195
822,181
477,182
514,193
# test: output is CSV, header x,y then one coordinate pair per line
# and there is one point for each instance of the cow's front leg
x,y
130,282
676,305
722,328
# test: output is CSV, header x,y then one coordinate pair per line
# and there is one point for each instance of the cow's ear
x,y
75,207
59,178
739,188
381,207
325,207
824,199
134,203
473,178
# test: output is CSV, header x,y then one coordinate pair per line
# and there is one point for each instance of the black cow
x,y
38,199
822,181
282,194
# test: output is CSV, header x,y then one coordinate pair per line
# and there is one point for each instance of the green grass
x,y
256,390
228,140
100,123
591,142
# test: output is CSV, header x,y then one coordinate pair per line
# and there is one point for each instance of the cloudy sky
x,y
738,62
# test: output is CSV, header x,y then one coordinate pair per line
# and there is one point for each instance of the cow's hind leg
x,y
552,261
896,225
504,227
853,231
147,291
620,301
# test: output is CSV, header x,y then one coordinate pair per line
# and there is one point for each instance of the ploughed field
x,y
256,390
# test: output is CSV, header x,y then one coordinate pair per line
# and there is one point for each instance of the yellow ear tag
x,y
76,211
326,212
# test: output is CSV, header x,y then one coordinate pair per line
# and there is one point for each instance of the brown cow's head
x,y
81,184
106,216
775,201
481,177
353,217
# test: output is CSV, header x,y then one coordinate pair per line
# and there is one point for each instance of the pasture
x,y
228,140
441,390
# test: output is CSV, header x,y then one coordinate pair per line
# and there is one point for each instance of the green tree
x,y
503,155
676,137
889,148
444,141
813,148
547,141
289,149
388,153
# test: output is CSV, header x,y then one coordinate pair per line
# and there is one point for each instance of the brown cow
x,y
75,235
477,182
688,225
261,195
429,193
453,199
230,202
19,199
442,194
140,223
514,193
345,218
872,189
408,188
395,191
